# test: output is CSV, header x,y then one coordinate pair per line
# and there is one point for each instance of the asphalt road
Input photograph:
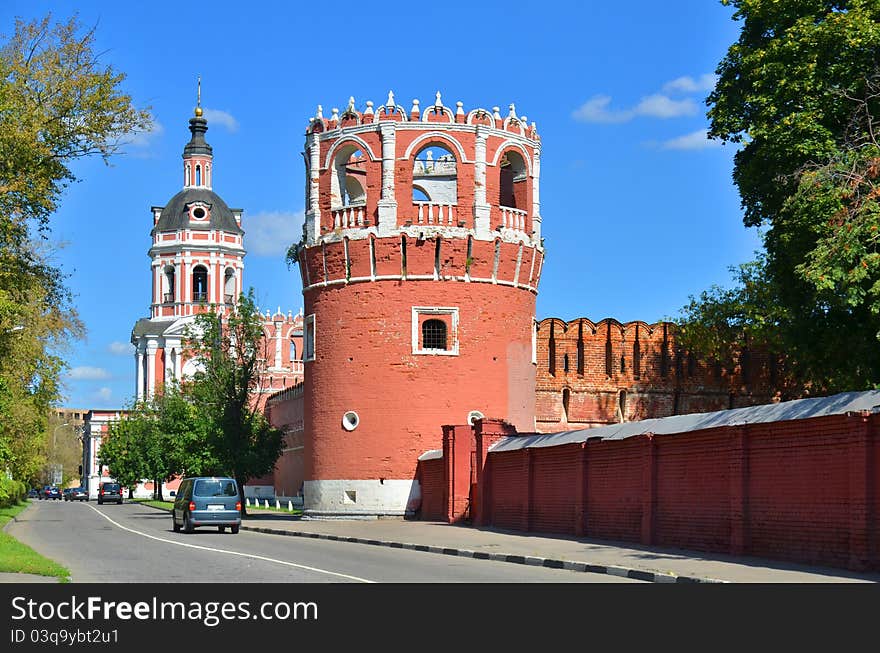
x,y
132,543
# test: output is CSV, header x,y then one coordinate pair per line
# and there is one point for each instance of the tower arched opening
x,y
512,186
435,175
349,181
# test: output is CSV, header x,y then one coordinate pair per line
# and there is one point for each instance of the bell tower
x,y
196,262
420,262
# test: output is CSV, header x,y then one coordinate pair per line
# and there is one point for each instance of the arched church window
x,y
200,284
434,334
512,182
198,175
168,286
292,350
229,286
435,175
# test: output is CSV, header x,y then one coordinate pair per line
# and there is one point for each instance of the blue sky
x,y
639,210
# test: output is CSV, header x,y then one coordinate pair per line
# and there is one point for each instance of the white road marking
x,y
234,553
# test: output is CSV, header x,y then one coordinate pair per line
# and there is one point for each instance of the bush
x,y
11,492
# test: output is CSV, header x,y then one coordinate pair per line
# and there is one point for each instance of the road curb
x,y
553,563
535,561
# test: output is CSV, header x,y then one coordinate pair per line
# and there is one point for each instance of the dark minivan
x,y
207,501
109,492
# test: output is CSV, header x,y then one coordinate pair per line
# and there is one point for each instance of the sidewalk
x,y
653,564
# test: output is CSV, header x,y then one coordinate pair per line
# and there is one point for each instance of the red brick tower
x,y
420,263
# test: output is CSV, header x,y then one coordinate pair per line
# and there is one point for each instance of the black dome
x,y
175,215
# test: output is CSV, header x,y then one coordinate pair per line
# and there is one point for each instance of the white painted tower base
x,y
354,499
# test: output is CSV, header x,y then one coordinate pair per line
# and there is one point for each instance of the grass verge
x,y
19,558
168,505
164,505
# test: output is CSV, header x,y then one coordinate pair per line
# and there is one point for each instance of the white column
x,y
313,215
170,354
387,202
139,372
278,344
482,209
536,197
151,369
178,363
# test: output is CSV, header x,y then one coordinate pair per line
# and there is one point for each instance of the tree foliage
x,y
58,104
158,439
798,92
231,353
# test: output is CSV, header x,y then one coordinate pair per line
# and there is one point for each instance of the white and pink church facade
x,y
196,262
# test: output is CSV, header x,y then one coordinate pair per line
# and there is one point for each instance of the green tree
x,y
159,438
231,355
121,449
798,93
58,104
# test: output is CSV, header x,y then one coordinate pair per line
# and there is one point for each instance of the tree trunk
x,y
158,486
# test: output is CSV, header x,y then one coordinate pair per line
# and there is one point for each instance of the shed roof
x,y
783,411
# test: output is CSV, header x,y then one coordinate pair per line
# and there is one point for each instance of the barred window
x,y
434,334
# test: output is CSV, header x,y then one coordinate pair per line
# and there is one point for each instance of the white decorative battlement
x,y
476,172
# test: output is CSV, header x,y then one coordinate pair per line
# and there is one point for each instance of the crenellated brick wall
x,y
591,374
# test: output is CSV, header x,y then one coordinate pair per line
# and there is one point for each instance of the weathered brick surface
x,y
431,478
588,365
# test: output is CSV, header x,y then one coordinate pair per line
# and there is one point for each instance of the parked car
x,y
51,492
79,494
109,492
207,501
65,493
34,493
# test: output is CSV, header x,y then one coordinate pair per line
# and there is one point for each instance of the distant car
x,y
51,492
79,494
207,501
65,493
33,493
109,492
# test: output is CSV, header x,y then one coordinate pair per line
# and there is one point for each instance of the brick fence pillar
x,y
457,445
486,432
860,477
739,491
528,487
649,496
580,492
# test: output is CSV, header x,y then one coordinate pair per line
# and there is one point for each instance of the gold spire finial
x,y
199,98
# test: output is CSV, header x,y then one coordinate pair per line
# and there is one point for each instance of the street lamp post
x,y
55,435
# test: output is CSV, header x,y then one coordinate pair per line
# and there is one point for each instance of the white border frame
x,y
306,320
435,310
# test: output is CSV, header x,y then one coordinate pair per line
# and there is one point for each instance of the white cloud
x,y
120,348
104,393
653,106
698,140
657,105
222,118
660,106
596,110
146,138
270,233
88,373
688,84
